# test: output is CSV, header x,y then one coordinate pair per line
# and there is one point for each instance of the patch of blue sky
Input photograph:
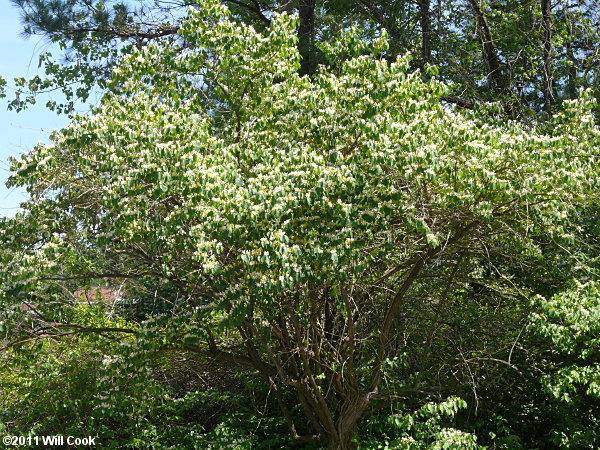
x,y
19,132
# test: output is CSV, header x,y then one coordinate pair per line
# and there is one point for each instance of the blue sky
x,y
19,132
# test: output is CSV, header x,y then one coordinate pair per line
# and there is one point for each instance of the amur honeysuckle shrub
x,y
554,396
73,384
570,321
566,328
86,384
296,217
426,427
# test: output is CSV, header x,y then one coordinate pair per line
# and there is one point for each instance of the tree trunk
x,y
425,32
306,36
377,14
572,76
490,54
350,415
547,79
335,434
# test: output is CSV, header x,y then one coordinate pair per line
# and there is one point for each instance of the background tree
x,y
523,54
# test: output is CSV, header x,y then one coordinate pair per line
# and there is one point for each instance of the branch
x,y
40,333
265,369
395,393
462,102
84,329
418,264
255,9
391,313
500,361
96,275
125,33
376,14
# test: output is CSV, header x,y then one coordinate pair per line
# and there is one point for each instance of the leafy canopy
x,y
289,177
